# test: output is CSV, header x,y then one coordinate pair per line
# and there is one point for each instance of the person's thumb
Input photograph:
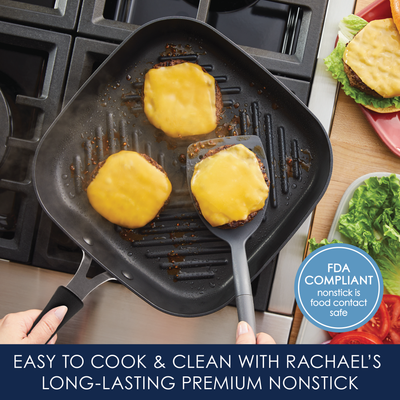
x,y
244,334
46,327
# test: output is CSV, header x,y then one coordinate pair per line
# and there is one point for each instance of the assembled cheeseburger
x,y
366,61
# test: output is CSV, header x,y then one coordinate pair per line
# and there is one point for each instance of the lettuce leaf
x,y
373,224
349,26
313,245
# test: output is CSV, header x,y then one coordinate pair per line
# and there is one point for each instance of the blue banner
x,y
196,371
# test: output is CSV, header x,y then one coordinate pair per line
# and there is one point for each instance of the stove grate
x,y
36,106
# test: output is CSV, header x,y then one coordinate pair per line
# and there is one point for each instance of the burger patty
x,y
235,224
218,95
161,204
356,82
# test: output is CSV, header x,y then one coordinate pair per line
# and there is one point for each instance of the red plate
x,y
387,126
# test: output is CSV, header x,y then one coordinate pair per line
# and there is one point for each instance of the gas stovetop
x,y
64,41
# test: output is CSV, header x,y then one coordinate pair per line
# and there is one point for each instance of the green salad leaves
x,y
349,26
373,224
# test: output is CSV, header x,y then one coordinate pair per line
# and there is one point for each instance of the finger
x,y
30,317
46,327
14,326
264,338
53,340
244,334
22,319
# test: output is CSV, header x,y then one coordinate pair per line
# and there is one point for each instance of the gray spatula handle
x,y
244,294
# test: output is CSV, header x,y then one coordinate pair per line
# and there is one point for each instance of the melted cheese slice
x,y
374,55
128,190
229,185
180,100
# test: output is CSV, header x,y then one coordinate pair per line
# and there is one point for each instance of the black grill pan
x,y
175,263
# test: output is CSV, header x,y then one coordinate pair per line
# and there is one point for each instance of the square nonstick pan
x,y
175,263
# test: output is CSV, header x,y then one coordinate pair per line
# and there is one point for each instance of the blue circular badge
x,y
338,287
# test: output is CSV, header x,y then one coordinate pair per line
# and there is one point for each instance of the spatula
x,y
237,237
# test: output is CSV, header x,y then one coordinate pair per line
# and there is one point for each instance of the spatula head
x,y
195,154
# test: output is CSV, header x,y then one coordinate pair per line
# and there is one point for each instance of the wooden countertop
x,y
357,150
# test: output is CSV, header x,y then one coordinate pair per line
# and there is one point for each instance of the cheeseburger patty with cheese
x,y
181,99
230,186
129,189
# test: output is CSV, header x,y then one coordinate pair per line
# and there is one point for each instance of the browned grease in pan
x,y
131,235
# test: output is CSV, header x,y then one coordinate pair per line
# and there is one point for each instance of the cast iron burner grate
x,y
282,35
260,24
43,3
59,14
31,100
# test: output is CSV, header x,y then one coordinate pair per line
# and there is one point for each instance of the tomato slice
x,y
392,303
355,337
379,324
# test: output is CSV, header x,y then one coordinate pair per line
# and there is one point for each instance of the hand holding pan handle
x,y
74,293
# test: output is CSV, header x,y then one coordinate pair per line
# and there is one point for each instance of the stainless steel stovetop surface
x,y
113,315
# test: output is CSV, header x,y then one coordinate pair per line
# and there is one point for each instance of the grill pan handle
x,y
73,294
62,297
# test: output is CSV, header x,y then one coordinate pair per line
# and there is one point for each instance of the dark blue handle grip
x,y
62,297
